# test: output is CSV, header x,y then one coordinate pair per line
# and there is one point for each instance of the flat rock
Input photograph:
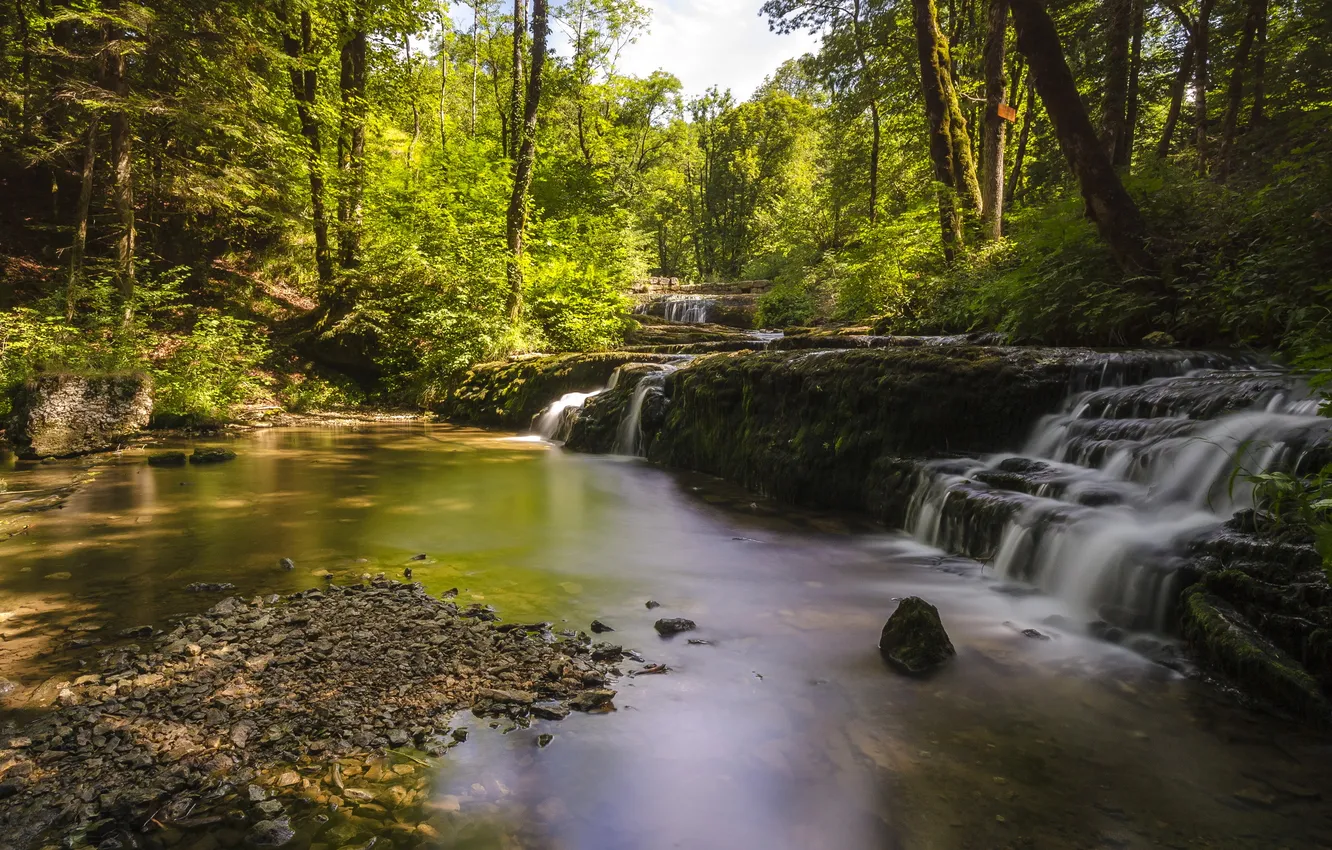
x,y
212,456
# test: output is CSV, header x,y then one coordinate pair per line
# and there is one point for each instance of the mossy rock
x,y
914,640
167,459
1222,637
212,456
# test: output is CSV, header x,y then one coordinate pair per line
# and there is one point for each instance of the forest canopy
x,y
320,201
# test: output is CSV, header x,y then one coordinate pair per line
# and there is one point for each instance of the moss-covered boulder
x,y
206,456
167,459
914,640
510,393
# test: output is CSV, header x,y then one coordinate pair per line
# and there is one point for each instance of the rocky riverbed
x,y
281,717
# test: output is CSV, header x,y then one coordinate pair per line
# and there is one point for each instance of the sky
x,y
712,42
702,42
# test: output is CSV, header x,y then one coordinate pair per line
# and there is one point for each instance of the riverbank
x,y
277,703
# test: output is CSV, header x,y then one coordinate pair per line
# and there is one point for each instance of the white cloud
x,y
723,43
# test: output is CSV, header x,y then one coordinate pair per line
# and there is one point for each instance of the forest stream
x,y
781,728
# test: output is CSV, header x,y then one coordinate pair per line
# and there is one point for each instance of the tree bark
x,y
937,90
1177,88
875,148
76,251
1114,105
1016,179
516,94
1256,116
351,144
1124,154
305,90
122,170
992,142
1202,37
524,163
1112,209
476,59
1235,94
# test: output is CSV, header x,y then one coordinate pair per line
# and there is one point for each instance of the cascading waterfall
x,y
556,421
1099,505
685,309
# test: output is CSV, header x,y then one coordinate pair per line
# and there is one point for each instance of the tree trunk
x,y
1114,105
1235,95
1177,88
443,85
122,171
351,147
1016,179
77,250
964,173
992,143
1124,154
875,148
1202,35
305,89
1259,67
936,89
524,163
476,59
516,94
1116,215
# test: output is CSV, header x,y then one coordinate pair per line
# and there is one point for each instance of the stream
x,y
786,730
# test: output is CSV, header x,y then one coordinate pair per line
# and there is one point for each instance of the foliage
x,y
209,371
1300,502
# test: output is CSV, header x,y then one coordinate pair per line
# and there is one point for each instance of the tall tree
x,y
992,144
77,250
1257,10
115,83
525,160
1116,216
1201,78
351,139
1114,105
1177,91
304,74
1124,152
516,101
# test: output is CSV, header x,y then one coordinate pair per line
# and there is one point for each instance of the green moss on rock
x,y
914,640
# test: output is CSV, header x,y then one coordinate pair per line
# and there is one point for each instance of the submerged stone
x,y
167,459
913,640
673,626
212,455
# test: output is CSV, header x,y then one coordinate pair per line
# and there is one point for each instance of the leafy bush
x,y
207,373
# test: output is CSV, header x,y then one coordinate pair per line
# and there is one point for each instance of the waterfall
x,y
629,437
555,421
685,309
1100,504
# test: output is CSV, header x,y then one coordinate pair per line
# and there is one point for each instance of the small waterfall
x,y
629,437
685,309
1101,502
555,422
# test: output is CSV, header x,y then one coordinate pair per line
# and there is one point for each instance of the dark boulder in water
x,y
914,640
673,626
212,456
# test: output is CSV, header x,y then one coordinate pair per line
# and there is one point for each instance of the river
x,y
786,730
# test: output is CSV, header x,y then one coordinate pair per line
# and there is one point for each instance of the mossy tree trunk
x,y
1112,209
305,90
1124,154
351,139
524,162
1114,104
122,166
950,148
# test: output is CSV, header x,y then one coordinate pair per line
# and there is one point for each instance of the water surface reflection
x,y
785,732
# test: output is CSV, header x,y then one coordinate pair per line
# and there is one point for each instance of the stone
x,y
60,576
65,415
271,833
212,456
287,564
599,627
591,700
495,695
544,739
549,711
288,779
167,459
913,640
673,626
651,603
209,587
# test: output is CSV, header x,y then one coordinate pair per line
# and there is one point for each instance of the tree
x,y
992,145
1114,107
1114,212
304,73
525,158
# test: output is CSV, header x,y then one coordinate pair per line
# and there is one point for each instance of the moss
x,y
508,394
913,640
1222,637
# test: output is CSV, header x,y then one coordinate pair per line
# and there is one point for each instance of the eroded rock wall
x,y
65,415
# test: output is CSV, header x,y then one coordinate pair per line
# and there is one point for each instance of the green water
x,y
787,732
